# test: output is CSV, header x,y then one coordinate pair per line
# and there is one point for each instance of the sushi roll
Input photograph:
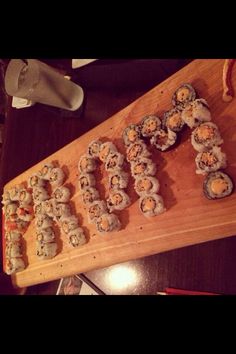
x,y
105,150
108,223
69,223
90,195
149,125
13,236
10,209
45,171
46,250
14,265
49,206
118,200
57,177
38,208
35,181
145,185
205,136
131,134
46,235
76,237
86,180
151,205
25,198
61,194
196,112
210,161
96,209
164,139
94,149
143,167
25,213
137,150
61,210
217,185
118,180
42,221
17,224
114,162
86,164
184,94
13,249
6,198
173,121
14,193
40,194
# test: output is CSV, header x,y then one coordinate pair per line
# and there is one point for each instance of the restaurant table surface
x,y
33,133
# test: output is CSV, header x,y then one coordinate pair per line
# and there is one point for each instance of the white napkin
x,y
77,63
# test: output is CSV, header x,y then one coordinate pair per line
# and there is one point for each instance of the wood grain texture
x,y
190,217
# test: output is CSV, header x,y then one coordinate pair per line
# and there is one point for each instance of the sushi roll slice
x,y
25,198
118,180
57,177
40,194
42,221
86,180
146,185
118,200
45,171
25,213
35,181
61,194
86,164
114,162
38,208
10,209
49,206
46,235
94,149
14,265
210,161
105,150
13,249
173,121
61,210
69,223
217,185
76,237
151,205
196,112
46,250
131,134
108,223
6,198
184,94
205,136
16,224
13,236
163,139
14,193
96,209
143,167
137,150
90,195
149,125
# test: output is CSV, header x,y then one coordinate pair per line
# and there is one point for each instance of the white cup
x,y
35,81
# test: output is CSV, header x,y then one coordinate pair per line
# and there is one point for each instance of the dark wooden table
x,y
33,133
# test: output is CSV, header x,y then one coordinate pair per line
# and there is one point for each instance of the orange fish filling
x,y
132,135
205,132
219,186
148,204
183,94
144,185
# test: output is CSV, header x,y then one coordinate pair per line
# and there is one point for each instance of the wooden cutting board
x,y
190,218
